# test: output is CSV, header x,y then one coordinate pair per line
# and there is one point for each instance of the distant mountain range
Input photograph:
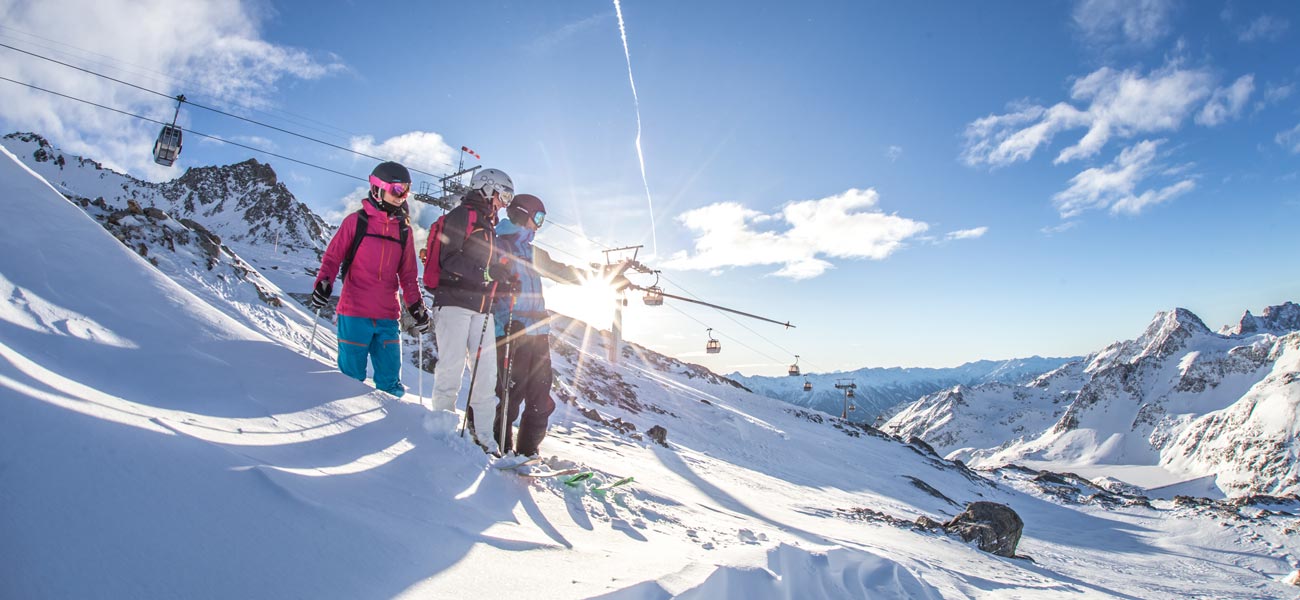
x,y
1179,396
881,392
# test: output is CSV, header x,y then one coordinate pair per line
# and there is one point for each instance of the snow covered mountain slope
x,y
154,446
243,205
883,391
1150,401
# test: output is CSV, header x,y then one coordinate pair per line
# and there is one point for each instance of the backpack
x,y
433,252
363,223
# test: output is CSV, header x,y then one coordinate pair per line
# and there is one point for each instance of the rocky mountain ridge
x,y
883,391
1177,396
244,203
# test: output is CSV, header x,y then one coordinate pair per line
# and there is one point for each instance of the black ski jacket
x,y
467,250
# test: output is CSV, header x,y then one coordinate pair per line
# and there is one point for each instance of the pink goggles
x,y
397,189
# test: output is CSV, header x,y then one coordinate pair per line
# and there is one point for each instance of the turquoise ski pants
x,y
361,338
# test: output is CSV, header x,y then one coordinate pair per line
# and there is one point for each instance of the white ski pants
x,y
458,333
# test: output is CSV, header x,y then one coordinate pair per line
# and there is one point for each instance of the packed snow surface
x,y
157,442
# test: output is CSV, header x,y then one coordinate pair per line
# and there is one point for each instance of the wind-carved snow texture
x,y
156,441
1180,397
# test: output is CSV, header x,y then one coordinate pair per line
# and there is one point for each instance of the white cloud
x,y
1141,22
1290,139
1276,93
967,234
1265,28
1120,104
1114,186
893,153
551,39
1226,102
212,50
1062,228
848,225
420,150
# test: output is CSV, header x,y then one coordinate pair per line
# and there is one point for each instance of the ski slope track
x,y
159,441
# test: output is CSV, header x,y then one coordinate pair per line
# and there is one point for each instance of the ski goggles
x,y
539,217
397,189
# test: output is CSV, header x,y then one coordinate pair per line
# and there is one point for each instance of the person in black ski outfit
x,y
522,328
465,283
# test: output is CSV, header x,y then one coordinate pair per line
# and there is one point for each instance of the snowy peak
x,y
1168,332
1278,320
243,203
1178,396
267,210
881,392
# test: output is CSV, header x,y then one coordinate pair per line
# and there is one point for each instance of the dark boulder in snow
x,y
994,527
659,435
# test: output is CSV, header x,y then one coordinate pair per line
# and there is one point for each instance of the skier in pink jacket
x,y
374,251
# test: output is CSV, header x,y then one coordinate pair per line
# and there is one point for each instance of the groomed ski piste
x,y
155,444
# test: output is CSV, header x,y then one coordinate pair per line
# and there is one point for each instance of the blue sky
x,y
910,184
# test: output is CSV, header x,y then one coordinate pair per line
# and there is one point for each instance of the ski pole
x,y
505,394
311,346
420,365
477,355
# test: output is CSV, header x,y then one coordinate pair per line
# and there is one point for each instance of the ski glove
x,y
421,317
504,277
320,297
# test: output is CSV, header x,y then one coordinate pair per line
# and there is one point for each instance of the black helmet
x,y
391,172
525,208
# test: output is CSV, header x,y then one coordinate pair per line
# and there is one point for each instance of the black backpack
x,y
363,223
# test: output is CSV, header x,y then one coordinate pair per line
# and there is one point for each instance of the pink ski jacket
x,y
378,269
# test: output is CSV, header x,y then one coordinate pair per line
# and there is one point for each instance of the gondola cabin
x,y
807,385
654,296
168,146
712,346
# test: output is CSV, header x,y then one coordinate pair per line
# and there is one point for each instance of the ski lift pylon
x,y
794,369
168,146
712,346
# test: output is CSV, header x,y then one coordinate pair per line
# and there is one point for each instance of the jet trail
x,y
637,103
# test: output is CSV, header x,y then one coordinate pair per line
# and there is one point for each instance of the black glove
x,y
421,317
504,277
514,327
320,297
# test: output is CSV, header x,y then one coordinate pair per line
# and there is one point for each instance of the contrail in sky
x,y
637,102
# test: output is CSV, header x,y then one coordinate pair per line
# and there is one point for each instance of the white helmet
x,y
488,181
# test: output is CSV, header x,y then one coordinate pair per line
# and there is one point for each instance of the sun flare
x,y
591,302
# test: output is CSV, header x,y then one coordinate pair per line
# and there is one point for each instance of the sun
x,y
591,302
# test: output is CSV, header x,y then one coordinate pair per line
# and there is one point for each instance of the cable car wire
x,y
191,131
724,335
215,110
167,78
305,163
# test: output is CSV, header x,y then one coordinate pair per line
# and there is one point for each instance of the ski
x,y
579,478
512,464
609,486
537,474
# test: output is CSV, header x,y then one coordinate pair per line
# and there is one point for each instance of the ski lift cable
x,y
738,322
209,108
164,78
191,131
729,337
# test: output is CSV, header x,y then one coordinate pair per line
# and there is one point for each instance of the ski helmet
x,y
525,208
488,181
391,172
